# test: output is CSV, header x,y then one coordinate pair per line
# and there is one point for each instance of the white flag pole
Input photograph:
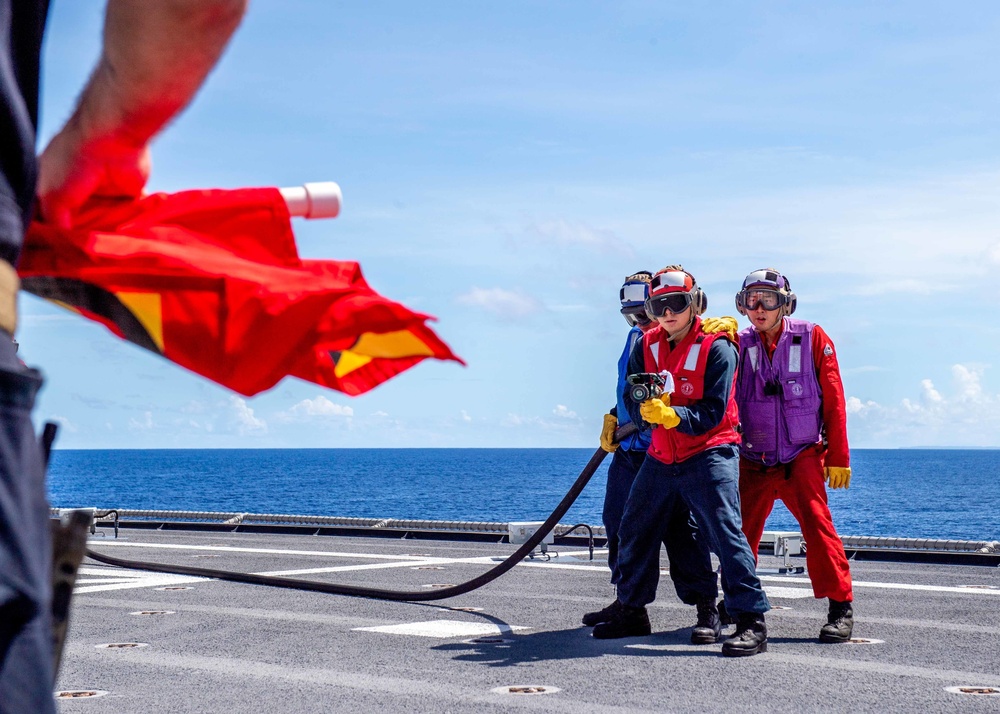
x,y
313,200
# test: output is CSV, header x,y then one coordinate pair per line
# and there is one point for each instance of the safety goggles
x,y
636,318
755,298
633,293
671,302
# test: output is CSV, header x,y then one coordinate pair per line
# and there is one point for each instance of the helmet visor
x,y
636,318
633,294
671,302
753,298
670,280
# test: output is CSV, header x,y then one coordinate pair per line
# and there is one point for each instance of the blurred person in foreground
x,y
791,401
155,56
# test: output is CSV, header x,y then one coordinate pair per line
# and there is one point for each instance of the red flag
x,y
212,280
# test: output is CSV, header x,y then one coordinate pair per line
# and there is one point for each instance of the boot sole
x,y
762,647
703,640
834,639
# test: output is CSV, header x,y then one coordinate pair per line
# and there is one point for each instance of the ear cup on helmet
x,y
739,305
699,300
790,305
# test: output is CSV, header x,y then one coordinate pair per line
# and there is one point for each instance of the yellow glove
x,y
711,325
838,476
657,411
608,442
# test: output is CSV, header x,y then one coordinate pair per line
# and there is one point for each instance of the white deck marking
x,y
111,578
272,551
561,566
443,629
365,566
410,560
788,593
893,586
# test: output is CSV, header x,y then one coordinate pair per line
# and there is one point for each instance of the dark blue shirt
x,y
22,23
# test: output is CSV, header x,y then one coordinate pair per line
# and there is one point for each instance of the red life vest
x,y
686,362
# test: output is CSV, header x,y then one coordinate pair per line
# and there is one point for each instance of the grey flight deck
x,y
230,647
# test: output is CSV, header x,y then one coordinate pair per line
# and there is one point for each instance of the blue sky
x,y
505,165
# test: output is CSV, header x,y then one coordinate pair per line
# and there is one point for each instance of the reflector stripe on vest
x,y
795,358
752,354
655,349
692,356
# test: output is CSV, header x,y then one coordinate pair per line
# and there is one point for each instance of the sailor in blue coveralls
x,y
690,563
26,665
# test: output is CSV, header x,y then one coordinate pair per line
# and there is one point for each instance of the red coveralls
x,y
801,486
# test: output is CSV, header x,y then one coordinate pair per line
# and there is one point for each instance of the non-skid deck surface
x,y
216,646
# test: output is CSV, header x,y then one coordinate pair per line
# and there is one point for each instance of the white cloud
x,y
563,234
245,421
563,412
929,234
517,420
863,369
64,423
930,394
856,406
506,304
968,382
964,415
465,416
318,407
566,422
195,407
144,423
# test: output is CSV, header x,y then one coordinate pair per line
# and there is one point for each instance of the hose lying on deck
x,y
358,591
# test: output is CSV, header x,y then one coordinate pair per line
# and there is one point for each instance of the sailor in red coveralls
x,y
791,402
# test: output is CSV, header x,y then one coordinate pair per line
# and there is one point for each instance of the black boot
x,y
708,629
839,623
605,615
750,637
626,622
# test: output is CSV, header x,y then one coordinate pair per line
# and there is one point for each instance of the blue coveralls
x,y
690,561
707,484
25,548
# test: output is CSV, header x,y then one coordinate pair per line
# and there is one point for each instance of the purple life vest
x,y
780,401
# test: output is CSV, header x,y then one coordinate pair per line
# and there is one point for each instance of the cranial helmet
x,y
767,279
671,281
633,296
635,290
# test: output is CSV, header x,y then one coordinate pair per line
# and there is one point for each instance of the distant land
x,y
934,448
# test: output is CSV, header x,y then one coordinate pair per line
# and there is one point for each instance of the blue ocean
x,y
919,493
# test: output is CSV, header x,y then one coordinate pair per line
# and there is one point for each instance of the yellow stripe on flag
x,y
386,345
401,343
148,310
348,362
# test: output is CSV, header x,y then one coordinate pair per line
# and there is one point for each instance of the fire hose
x,y
378,593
